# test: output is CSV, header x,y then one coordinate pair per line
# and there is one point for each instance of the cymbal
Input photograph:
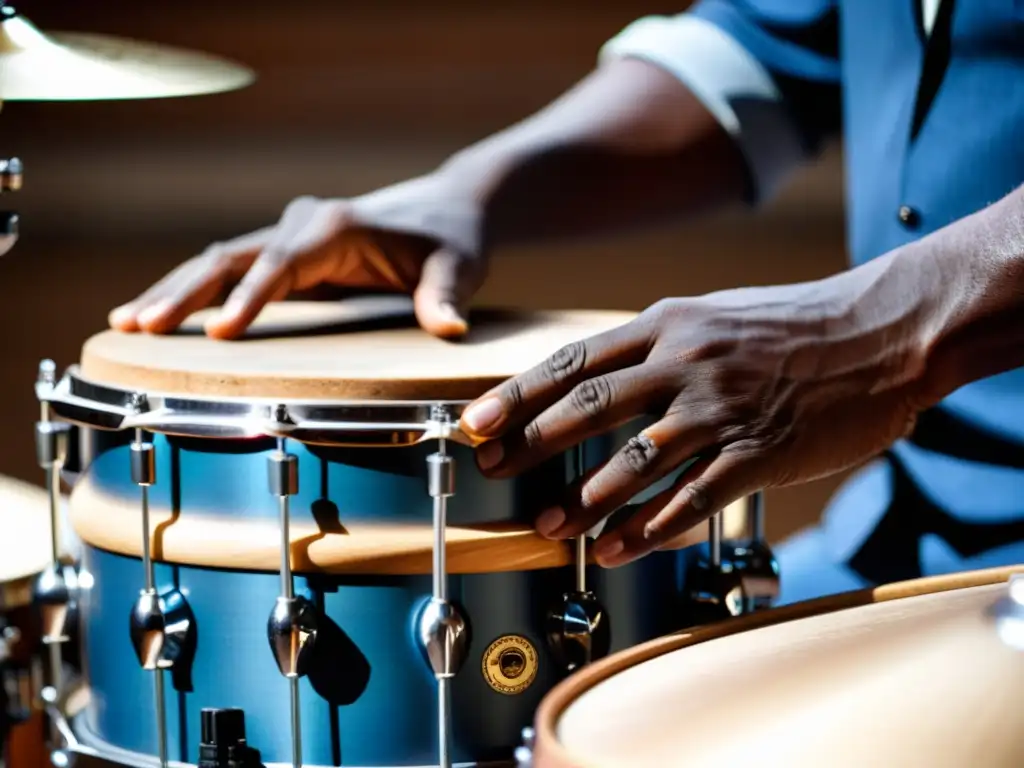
x,y
76,66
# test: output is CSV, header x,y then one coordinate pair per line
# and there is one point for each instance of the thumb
x,y
448,281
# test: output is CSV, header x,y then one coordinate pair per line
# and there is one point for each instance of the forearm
x,y
628,147
976,265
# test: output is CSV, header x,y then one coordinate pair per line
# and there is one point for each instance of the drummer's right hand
x,y
316,242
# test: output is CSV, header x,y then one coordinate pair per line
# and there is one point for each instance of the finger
x,y
441,299
650,456
269,277
593,407
727,478
522,398
626,542
190,286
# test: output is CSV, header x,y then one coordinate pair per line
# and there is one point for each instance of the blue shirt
x,y
928,96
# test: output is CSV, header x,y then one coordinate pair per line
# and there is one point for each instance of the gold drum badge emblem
x,y
509,664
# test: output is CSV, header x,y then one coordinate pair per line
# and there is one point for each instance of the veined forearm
x,y
629,146
977,264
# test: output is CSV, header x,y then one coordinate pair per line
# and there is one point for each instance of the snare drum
x,y
927,672
414,616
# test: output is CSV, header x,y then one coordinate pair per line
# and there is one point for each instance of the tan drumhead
x,y
25,548
924,680
368,348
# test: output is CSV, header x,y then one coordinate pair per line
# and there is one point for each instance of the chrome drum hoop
x,y
352,423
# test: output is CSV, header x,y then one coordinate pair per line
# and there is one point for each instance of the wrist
x,y
977,329
434,206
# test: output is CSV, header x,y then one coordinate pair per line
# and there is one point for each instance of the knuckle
x,y
566,362
512,394
532,435
638,456
592,397
700,496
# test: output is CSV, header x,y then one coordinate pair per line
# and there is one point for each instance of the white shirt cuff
x,y
728,81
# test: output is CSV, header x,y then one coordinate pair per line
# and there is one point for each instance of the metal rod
x,y
293,696
440,570
161,716
56,659
755,515
53,489
287,585
288,591
581,540
443,716
147,558
715,539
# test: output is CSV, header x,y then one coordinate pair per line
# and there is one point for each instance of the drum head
x,y
922,680
24,530
358,349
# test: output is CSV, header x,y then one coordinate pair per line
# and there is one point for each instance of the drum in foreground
x,y
927,672
313,471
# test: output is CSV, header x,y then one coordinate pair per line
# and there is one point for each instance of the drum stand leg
x,y
442,629
579,630
54,590
292,626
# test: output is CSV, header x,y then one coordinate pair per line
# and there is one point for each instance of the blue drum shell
x,y
369,698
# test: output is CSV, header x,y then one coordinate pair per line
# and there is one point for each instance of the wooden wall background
x,y
350,96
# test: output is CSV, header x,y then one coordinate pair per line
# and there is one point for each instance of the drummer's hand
x,y
767,386
316,242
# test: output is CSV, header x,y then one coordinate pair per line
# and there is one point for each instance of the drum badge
x,y
509,664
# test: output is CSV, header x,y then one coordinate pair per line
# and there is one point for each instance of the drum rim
x,y
340,422
548,748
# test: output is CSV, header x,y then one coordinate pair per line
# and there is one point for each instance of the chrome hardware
x,y
716,585
524,753
330,423
55,589
443,636
147,623
578,629
441,628
1008,613
55,594
291,631
162,629
291,628
11,174
755,561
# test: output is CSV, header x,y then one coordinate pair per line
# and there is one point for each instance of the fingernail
x,y
483,414
153,313
490,454
607,548
231,310
550,520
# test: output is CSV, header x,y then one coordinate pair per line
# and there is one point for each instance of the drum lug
x,y
759,574
443,635
162,629
55,594
291,630
579,631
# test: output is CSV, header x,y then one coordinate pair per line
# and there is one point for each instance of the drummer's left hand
x,y
767,386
